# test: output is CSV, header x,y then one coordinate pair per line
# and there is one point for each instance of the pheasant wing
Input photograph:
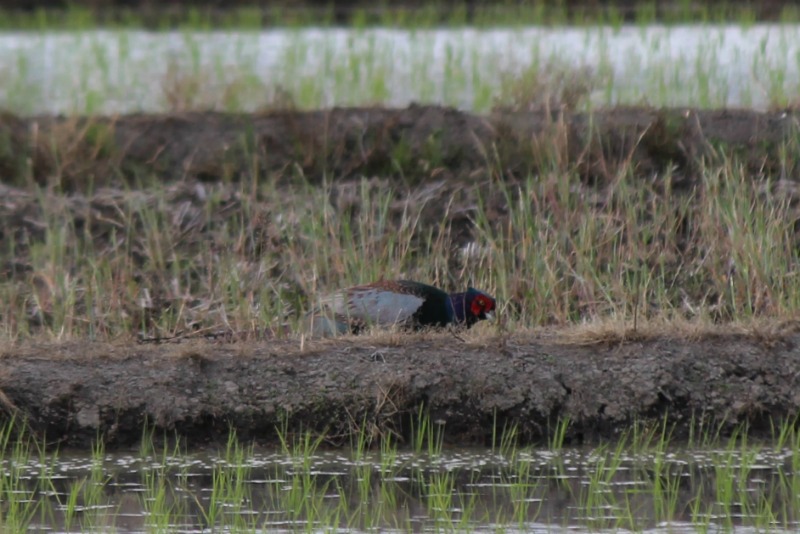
x,y
373,305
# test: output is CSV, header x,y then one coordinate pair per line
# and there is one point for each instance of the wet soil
x,y
73,392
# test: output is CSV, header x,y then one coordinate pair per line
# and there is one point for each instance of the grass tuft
x,y
625,259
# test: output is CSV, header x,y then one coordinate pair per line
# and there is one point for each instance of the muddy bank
x,y
73,392
411,145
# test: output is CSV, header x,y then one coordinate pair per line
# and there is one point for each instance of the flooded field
x,y
97,71
626,486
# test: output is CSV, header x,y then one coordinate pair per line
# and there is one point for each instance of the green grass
x,y
636,482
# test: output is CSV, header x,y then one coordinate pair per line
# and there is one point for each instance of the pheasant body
x,y
397,302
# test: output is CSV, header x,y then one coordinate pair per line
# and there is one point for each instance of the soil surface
x,y
74,392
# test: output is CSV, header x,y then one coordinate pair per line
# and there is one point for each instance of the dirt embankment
x,y
73,392
415,144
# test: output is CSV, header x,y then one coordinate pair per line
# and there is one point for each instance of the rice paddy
x,y
125,71
640,483
116,257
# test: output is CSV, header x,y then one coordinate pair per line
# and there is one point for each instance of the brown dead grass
x,y
434,342
615,331
550,86
585,240
187,89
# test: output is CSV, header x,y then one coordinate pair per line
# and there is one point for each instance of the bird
x,y
406,303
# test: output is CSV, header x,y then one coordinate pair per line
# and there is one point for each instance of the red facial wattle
x,y
475,308
480,307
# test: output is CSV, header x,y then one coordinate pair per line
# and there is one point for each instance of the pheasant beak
x,y
489,315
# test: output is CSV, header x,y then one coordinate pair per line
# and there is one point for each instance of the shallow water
x,y
526,491
128,71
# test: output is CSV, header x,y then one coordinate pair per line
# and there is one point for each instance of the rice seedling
x,y
558,434
300,449
505,444
426,435
159,502
230,491
666,488
93,501
471,68
439,488
19,504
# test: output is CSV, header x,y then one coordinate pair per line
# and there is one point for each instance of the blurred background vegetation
x,y
158,13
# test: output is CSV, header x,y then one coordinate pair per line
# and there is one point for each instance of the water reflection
x,y
525,491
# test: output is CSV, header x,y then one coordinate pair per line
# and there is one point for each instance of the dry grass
x,y
194,258
248,257
383,346
612,330
186,88
551,85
